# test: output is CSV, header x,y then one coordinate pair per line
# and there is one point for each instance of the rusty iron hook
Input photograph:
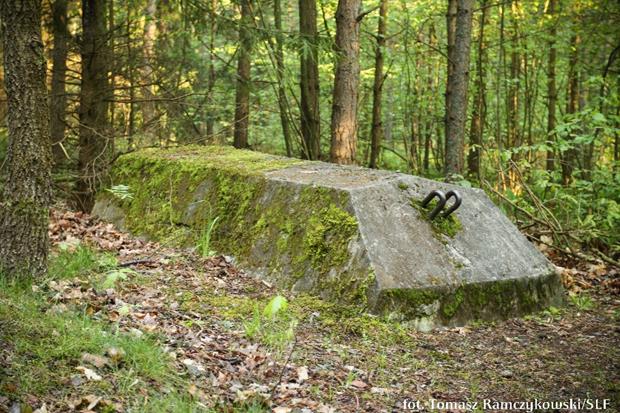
x,y
440,204
455,205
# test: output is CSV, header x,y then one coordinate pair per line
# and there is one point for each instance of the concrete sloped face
x,y
348,234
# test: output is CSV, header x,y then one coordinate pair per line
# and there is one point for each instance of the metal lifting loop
x,y
440,204
456,205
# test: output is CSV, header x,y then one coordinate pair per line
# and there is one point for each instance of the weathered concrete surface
x,y
346,233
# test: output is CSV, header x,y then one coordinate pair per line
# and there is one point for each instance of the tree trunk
x,y
309,81
212,77
376,133
26,196
451,33
130,80
58,101
433,88
570,156
242,98
456,104
95,143
476,129
149,115
113,66
512,115
346,83
551,89
282,101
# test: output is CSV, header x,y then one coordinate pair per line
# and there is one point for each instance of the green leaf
x,y
277,303
115,275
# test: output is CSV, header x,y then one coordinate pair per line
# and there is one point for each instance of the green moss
x,y
403,186
327,237
491,300
452,303
449,226
294,233
411,303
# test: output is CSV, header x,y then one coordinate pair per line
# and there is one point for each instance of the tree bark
x,y
147,106
551,90
456,103
376,133
27,192
95,143
476,129
242,98
450,34
346,83
512,115
570,156
58,98
212,76
309,81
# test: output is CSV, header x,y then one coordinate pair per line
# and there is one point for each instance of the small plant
x,y
583,302
121,192
115,275
204,242
550,313
274,325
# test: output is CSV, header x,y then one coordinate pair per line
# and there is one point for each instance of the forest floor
x,y
125,325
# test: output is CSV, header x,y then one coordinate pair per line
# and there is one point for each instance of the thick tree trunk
x,y
346,83
242,98
476,129
58,98
95,143
309,81
376,133
456,104
26,196
552,97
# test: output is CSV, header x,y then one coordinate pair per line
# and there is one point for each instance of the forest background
x,y
520,98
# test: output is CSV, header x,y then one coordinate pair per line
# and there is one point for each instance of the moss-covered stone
x,y
299,236
449,226
346,234
495,300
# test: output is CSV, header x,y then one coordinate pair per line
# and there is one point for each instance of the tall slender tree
x,y
58,98
96,145
346,83
456,103
309,80
478,118
569,158
376,132
149,115
27,191
279,56
242,98
551,88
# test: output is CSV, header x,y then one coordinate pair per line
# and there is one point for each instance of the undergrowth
x,y
45,344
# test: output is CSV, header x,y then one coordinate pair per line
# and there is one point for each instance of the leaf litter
x,y
554,355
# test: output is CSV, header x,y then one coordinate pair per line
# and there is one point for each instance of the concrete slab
x,y
346,233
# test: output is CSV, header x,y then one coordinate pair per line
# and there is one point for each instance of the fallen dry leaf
x,y
88,373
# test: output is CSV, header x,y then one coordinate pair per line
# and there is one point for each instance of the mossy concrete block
x,y
348,234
